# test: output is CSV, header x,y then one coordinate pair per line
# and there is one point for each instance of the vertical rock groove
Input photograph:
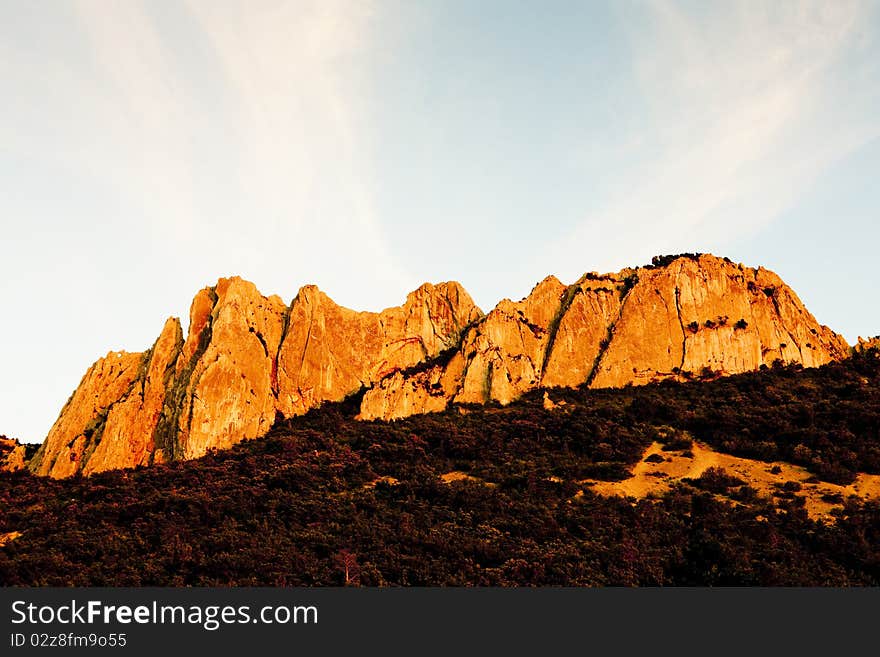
x,y
609,337
569,295
166,435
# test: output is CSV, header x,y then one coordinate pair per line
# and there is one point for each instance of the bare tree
x,y
347,562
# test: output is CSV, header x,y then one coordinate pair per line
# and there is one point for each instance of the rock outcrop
x,y
686,316
12,455
126,435
248,359
335,351
79,427
863,345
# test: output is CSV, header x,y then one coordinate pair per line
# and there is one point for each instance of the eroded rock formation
x,y
688,316
864,345
12,455
248,359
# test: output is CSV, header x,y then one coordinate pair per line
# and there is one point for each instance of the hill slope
x,y
480,495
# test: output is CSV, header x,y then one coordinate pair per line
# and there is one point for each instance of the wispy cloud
x,y
305,160
252,158
143,116
742,110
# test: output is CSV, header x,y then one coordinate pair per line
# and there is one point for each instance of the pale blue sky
x,y
148,148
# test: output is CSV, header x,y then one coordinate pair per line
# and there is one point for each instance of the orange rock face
x,y
504,354
76,432
331,352
705,312
591,309
865,345
246,360
126,439
689,316
229,393
12,455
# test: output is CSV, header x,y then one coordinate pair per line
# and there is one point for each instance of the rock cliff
x,y
686,316
248,359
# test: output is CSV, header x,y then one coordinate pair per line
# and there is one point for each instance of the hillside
x,y
490,495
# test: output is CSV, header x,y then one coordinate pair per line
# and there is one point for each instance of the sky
x,y
148,148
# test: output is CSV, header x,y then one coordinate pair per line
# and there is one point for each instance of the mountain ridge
x,y
672,319
248,360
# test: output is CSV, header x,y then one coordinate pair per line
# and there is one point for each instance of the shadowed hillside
x,y
485,495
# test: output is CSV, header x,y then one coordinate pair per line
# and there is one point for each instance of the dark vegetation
x,y
666,260
324,499
628,283
716,480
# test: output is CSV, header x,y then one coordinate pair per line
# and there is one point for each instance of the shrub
x,y
664,260
677,441
715,480
628,283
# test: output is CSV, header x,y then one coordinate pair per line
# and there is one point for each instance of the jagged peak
x,y
426,290
863,344
506,307
311,293
430,288
236,288
547,282
659,262
200,311
451,290
171,325
547,287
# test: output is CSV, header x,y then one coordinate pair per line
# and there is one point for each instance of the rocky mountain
x,y
248,360
678,318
